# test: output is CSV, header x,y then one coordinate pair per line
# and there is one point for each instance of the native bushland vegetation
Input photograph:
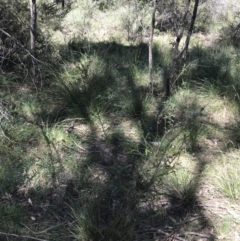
x,y
119,120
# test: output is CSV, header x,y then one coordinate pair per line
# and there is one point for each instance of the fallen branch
x,y
200,235
22,236
182,239
45,230
169,235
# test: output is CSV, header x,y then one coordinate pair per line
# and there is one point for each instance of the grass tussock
x,y
108,219
225,176
180,187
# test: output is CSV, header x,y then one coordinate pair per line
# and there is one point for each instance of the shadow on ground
x,y
111,195
113,199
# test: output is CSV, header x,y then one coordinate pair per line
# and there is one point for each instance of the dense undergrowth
x,y
93,152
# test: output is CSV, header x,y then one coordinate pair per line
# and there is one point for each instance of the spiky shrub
x,y
84,86
181,187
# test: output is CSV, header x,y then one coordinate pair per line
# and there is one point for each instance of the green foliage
x,y
169,16
230,33
7,78
204,18
135,19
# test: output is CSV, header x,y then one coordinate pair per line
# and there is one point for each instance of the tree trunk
x,y
150,56
194,16
176,54
33,31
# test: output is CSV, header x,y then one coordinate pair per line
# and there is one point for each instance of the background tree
x,y
179,56
154,3
33,32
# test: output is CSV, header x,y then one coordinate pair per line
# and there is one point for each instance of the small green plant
x,y
193,127
30,108
57,135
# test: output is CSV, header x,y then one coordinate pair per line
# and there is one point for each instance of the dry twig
x,y
200,234
22,236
